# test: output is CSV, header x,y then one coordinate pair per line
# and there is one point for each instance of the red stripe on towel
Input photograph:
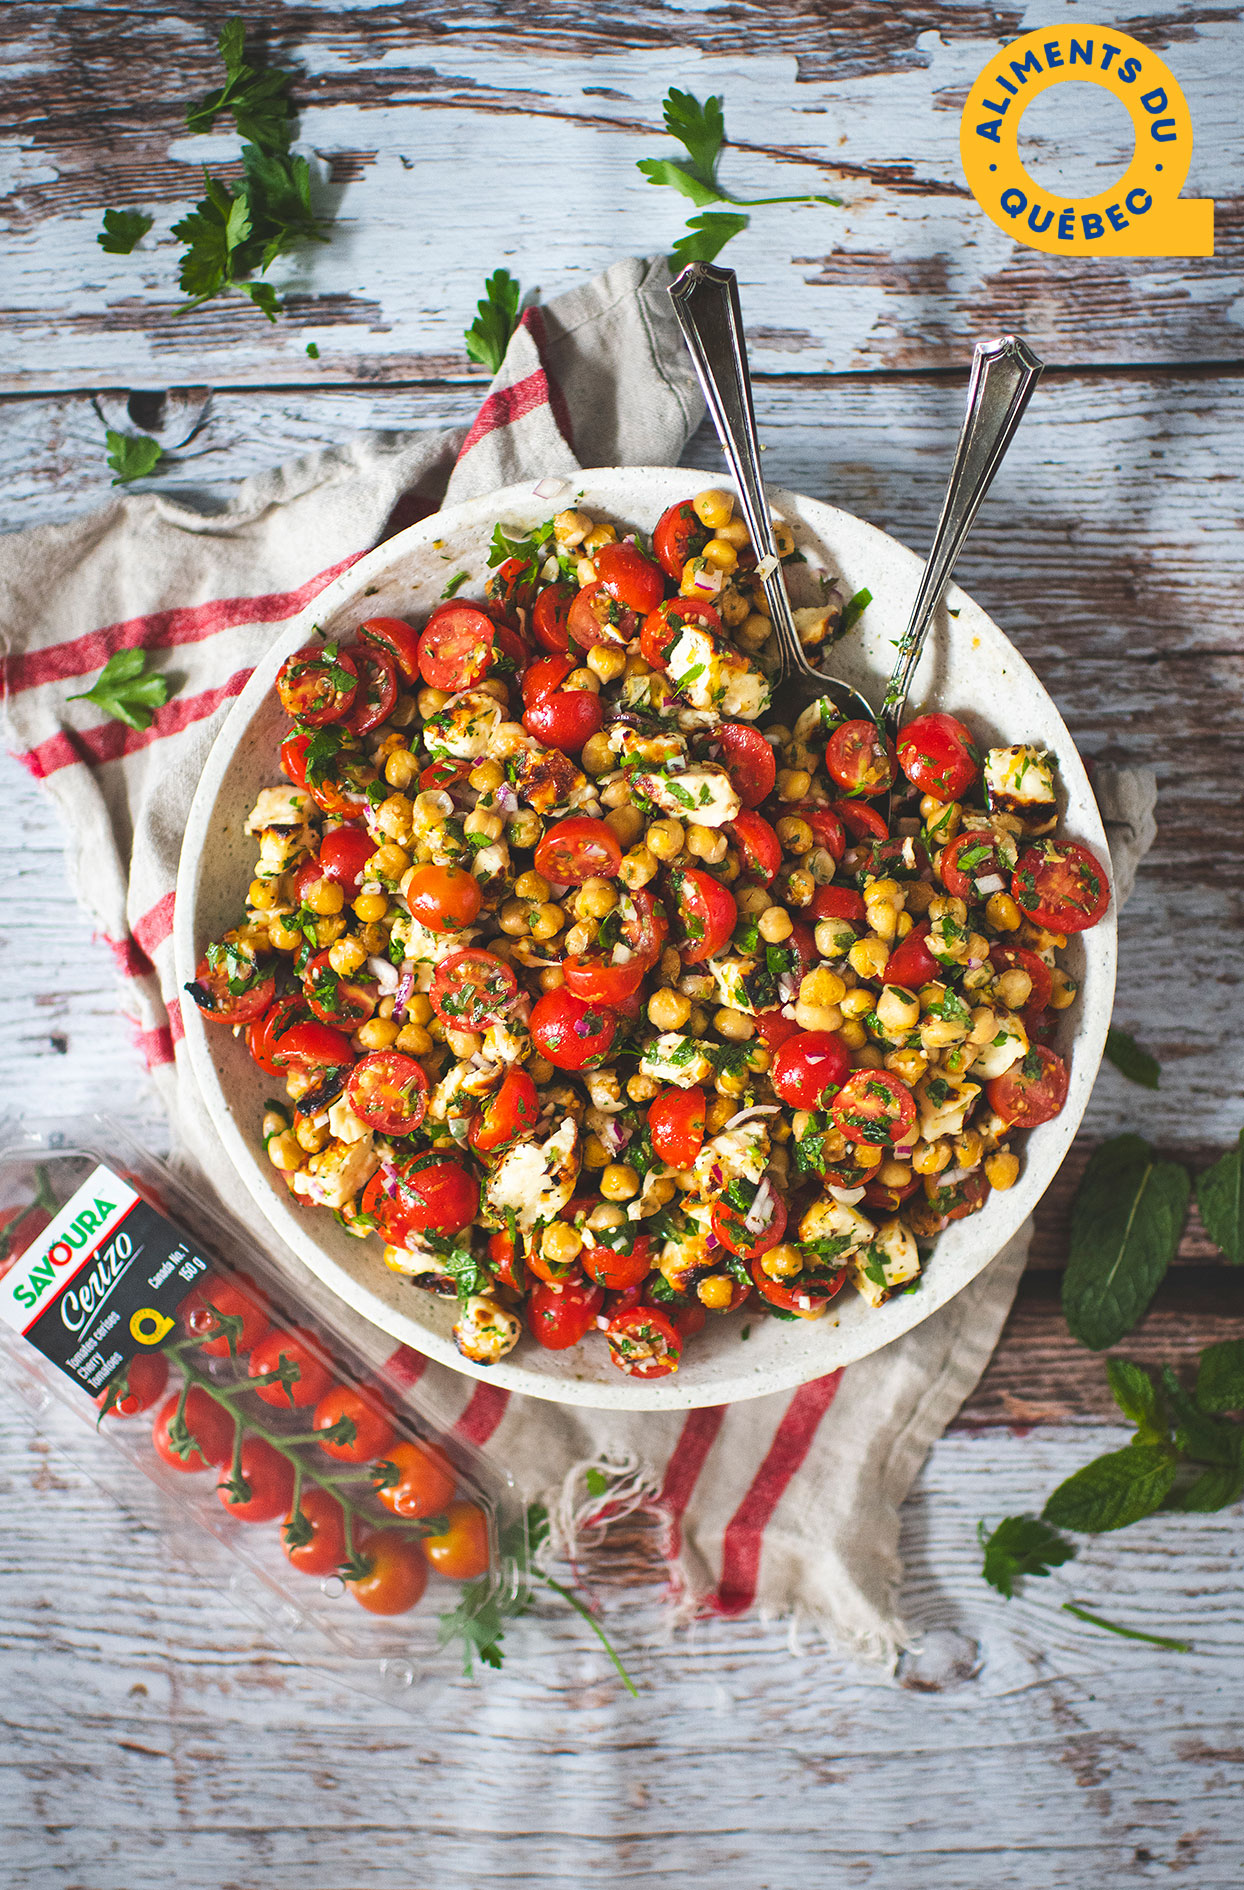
x,y
744,1536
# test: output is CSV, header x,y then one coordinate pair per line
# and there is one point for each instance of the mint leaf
x,y
1126,1221
1220,1197
1220,1377
122,229
131,456
488,337
1021,1545
1218,1487
124,692
1113,1491
1130,1060
852,611
1136,1396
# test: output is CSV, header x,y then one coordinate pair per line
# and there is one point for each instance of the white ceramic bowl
x,y
969,668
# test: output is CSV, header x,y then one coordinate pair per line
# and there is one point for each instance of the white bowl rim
x,y
1001,1218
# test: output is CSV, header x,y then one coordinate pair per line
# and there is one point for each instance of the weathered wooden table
x,y
152,1736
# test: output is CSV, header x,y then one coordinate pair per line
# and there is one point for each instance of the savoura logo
x,y
1143,214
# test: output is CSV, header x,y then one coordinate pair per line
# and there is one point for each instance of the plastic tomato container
x,y
175,1341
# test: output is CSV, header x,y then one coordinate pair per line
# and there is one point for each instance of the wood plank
x,y
405,108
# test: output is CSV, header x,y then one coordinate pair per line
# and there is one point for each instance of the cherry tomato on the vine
x,y
413,1480
397,1573
310,1376
267,1483
460,1550
373,1424
325,1550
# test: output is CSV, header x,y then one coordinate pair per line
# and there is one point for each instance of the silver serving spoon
x,y
706,302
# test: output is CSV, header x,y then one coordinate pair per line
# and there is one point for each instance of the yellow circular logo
x,y
1143,214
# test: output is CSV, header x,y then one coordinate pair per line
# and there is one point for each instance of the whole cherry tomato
x,y
444,898
911,963
343,854
460,1550
288,1037
430,1194
938,755
679,535
396,1573
413,1480
373,1424
310,1377
559,1316
324,1549
617,1268
630,577
146,1376
267,1483
572,1033
209,1431
565,720
222,1297
810,1068
676,1125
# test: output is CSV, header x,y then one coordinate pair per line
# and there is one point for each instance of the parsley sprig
x,y
488,337
700,127
132,455
126,691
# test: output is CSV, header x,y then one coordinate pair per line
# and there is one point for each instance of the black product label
x,y
102,1283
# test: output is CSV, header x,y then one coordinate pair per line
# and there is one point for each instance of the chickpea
x,y
868,957
822,986
898,1011
857,1002
697,1023
759,1057
638,867
713,507
866,1156
627,821
753,900
732,1082
920,896
285,1154
716,1292
597,898
794,834
942,819
570,528
560,1243
775,924
605,662
720,555
325,897
718,1113
388,862
800,888
371,907
540,1070
852,1032
969,1148
753,633
1002,1169
599,535
346,957
431,702
706,843
605,1216
869,1058
585,680
619,1182
532,885
595,1154
910,1064
735,1026
552,978
640,1089
546,921
1064,989
929,1158
513,918
378,1033
1014,987
782,1262
597,757
525,827
668,1010
1002,912
793,784
665,838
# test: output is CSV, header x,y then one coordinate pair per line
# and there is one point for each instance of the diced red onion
x,y
708,581
766,567
747,1115
991,883
788,987
402,996
847,1197
551,487
615,1136
385,972
760,1213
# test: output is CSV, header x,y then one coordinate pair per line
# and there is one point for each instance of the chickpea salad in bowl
x,y
605,1003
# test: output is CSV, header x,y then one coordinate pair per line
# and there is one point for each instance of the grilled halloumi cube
x,y
343,1124
485,1331
1020,781
507,1043
335,1175
686,1251
653,751
676,1059
545,778
281,821
943,1101
460,1089
534,1181
888,1262
703,794
740,1154
416,1262
464,727
730,976
426,948
828,1219
1007,1047
283,806
714,677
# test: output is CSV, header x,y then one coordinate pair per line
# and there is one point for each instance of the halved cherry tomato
x,y
827,828
456,648
644,1342
343,854
559,1316
874,1106
345,1003
444,898
679,535
617,1268
311,1376
510,1112
397,1573
460,1550
212,990
565,720
861,821
397,639
860,759
757,842
340,788
317,684
510,588
266,1487
809,1068
220,1297
1061,885
644,925
676,1125
1032,1091
413,1480
596,616
448,773
601,981
729,1227
437,1195
472,989
773,1029
549,616
937,754
911,963
208,1424
377,690
146,1376
806,1298
506,1262
1016,958
690,1317
545,677
707,913
748,759
323,1551
294,757
663,627
577,849
373,1425
838,902
967,858
887,1199
630,577
389,1092
570,1032
288,1036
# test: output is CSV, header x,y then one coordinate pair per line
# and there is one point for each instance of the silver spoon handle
x,y
1004,374
706,302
